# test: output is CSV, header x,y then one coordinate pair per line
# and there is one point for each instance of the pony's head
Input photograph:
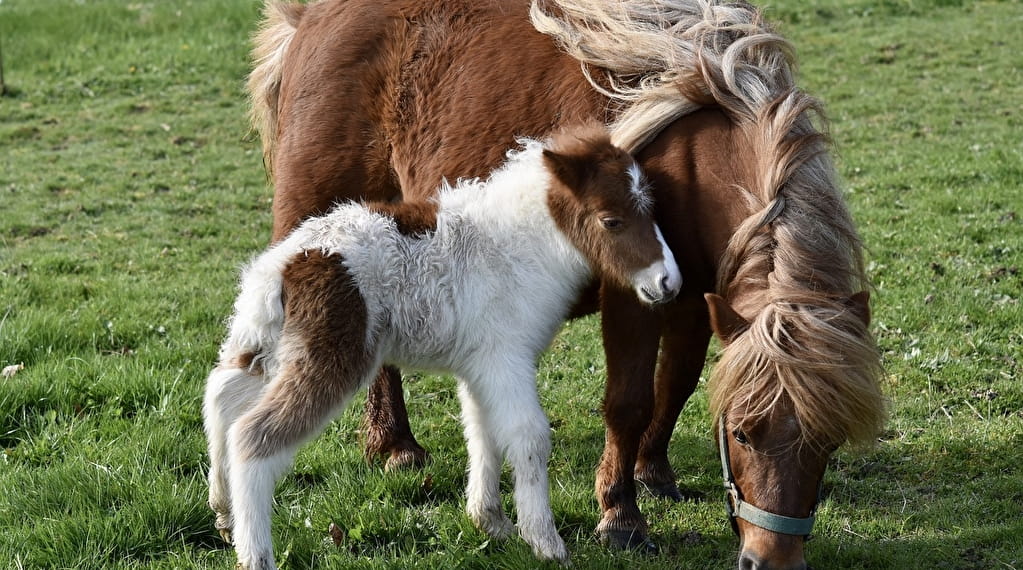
x,y
794,382
600,201
798,376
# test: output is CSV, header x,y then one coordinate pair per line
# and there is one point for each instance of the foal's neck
x,y
515,193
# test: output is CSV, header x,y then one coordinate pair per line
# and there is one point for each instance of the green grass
x,y
131,191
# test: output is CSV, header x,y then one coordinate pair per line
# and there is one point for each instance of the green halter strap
x,y
739,509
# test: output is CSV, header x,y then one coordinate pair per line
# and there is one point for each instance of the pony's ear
x,y
859,304
570,169
724,321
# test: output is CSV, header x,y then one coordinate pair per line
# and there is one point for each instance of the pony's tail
x,y
280,21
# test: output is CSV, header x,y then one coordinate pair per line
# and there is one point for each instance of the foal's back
x,y
446,280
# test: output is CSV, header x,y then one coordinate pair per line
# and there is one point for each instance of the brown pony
x,y
384,98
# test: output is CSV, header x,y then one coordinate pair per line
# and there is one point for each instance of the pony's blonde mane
x,y
798,248
666,58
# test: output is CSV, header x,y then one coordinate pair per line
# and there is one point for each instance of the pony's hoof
x,y
258,563
668,491
408,458
628,540
223,525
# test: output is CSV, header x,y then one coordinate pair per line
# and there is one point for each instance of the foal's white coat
x,y
481,297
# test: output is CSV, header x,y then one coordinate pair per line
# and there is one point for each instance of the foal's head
x,y
599,199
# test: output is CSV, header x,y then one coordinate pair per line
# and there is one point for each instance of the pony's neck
x,y
512,194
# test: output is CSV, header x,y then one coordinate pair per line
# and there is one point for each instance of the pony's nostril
x,y
657,284
748,562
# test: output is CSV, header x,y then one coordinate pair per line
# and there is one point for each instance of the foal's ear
x,y
724,321
859,304
571,169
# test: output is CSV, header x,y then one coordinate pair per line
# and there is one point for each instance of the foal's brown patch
x,y
323,355
245,362
411,218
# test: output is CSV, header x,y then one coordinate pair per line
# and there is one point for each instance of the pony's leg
x,y
508,405
352,162
683,349
631,333
230,391
483,496
385,423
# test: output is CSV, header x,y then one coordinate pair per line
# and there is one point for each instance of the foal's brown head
x,y
599,199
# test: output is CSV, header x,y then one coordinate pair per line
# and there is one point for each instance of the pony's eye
x,y
611,223
740,437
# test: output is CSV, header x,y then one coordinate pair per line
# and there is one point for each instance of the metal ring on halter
x,y
739,509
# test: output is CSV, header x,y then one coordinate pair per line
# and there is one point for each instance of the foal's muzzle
x,y
660,287
662,280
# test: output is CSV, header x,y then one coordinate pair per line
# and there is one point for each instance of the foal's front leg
x,y
483,496
509,408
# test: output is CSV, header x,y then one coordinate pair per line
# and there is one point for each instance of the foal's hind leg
x,y
308,392
323,359
231,389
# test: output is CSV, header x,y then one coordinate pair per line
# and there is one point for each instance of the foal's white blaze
x,y
640,189
661,281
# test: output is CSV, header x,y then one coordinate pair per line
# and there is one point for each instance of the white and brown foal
x,y
476,283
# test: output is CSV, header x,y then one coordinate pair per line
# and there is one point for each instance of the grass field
x,y
131,191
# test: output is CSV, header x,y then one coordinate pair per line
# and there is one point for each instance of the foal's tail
x,y
280,21
258,318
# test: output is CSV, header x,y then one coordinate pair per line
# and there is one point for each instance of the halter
x,y
739,509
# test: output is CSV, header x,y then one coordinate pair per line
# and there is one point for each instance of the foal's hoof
x,y
491,521
628,540
408,458
553,550
223,525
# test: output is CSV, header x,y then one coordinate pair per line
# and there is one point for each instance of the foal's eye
x,y
740,437
611,223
